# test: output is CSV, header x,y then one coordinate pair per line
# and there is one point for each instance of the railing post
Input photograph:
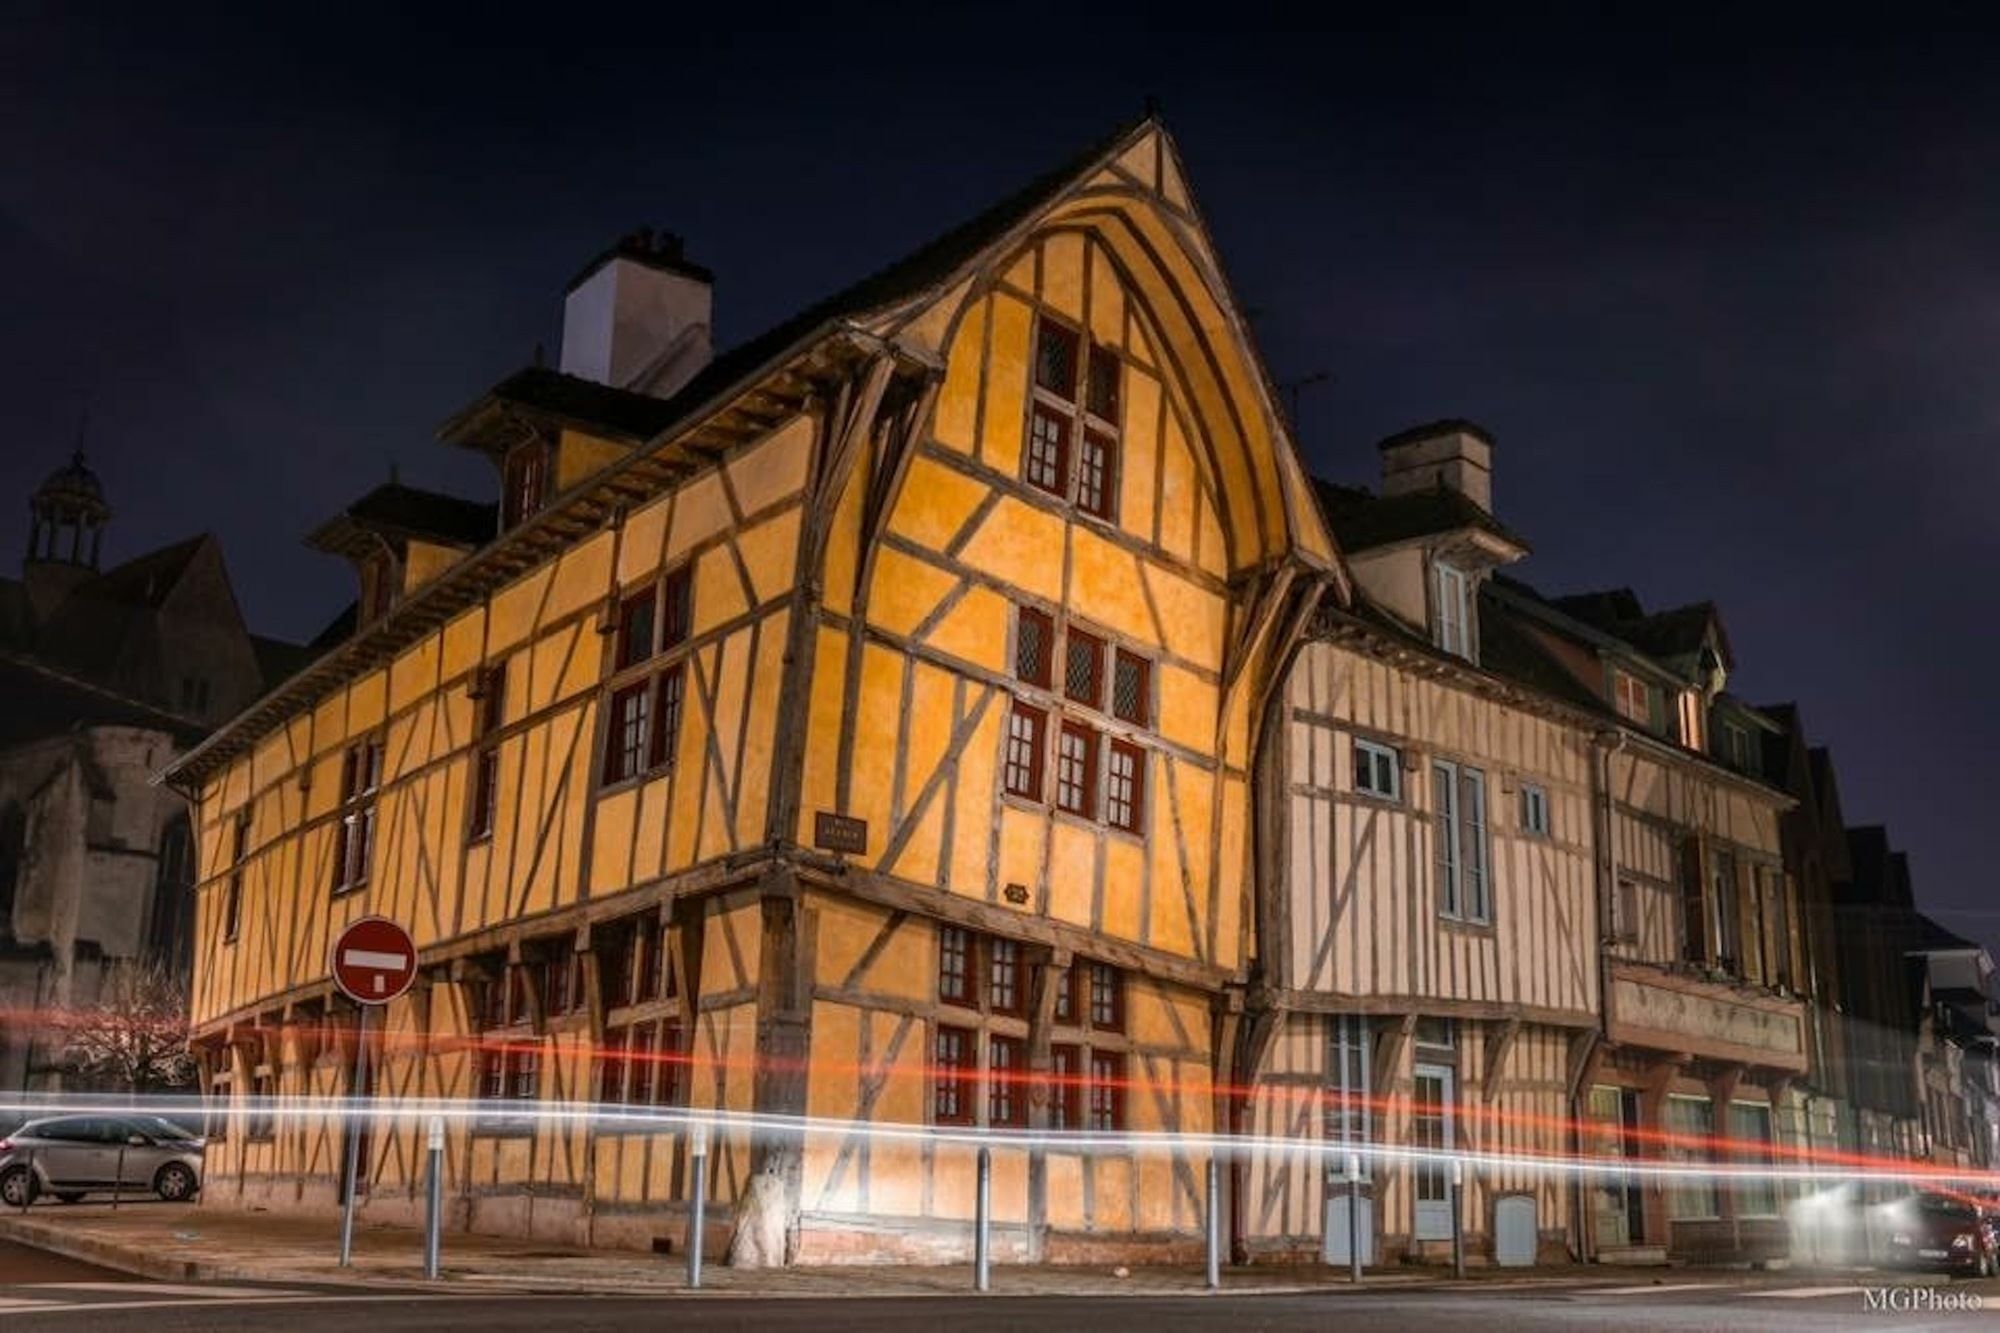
x,y
434,1202
1354,1217
1458,1217
982,1226
118,1179
697,1215
1214,1223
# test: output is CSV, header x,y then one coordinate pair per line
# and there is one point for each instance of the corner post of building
x,y
1244,1029
784,1042
1049,966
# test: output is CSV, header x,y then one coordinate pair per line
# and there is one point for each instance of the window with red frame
x,y
1047,463
562,980
1065,1086
1106,986
1006,1081
638,628
490,710
524,480
1132,689
1034,646
1083,668
1107,1091
1125,787
1066,985
360,778
1005,993
1024,751
1057,417
629,743
676,607
957,966
1055,358
1076,770
1097,474
955,1057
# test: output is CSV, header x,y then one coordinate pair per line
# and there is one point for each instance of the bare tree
x,y
134,1039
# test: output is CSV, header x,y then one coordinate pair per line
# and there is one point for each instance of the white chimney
x,y
1455,455
638,316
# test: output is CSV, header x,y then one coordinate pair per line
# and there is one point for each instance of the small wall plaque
x,y
840,833
1017,894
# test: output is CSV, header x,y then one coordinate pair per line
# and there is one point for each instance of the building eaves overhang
x,y
1365,624
706,430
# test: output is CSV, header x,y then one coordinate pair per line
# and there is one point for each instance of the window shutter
x,y
1694,899
1444,799
1796,971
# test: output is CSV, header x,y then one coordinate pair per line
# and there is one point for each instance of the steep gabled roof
x,y
621,414
43,701
730,402
145,580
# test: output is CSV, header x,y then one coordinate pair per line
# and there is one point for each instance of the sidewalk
x,y
179,1243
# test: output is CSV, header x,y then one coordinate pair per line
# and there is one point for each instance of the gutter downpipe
x,y
1606,744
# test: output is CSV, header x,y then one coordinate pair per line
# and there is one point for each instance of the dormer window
x,y
524,482
378,585
1632,697
1451,615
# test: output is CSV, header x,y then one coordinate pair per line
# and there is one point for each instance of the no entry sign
x,y
374,960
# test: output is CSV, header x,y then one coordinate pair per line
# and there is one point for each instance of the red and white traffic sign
x,y
374,960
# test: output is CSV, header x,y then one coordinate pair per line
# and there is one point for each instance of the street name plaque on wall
x,y
840,833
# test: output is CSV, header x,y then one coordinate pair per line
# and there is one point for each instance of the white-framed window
x,y
1690,1126
1347,1101
1534,809
1750,1136
1378,770
1452,627
1459,815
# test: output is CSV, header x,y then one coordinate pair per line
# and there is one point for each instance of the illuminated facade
x,y
858,725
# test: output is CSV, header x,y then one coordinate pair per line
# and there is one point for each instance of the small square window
x,y
1125,793
1083,675
1131,689
1055,359
1534,810
1377,770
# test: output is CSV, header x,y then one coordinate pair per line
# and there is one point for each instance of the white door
x,y
1431,1130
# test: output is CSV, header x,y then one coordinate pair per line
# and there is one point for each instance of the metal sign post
x,y
347,1190
1214,1223
1354,1217
373,962
1458,1216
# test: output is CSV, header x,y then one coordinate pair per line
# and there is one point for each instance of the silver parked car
x,y
74,1155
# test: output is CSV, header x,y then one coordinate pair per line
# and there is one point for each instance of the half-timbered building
x,y
1430,969
1704,1032
859,725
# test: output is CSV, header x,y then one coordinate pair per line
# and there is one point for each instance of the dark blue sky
x,y
1727,295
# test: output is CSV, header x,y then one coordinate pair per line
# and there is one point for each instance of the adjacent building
x,y
105,675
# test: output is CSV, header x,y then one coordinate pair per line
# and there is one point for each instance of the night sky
x,y
1728,298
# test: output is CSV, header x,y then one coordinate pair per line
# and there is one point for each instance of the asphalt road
x,y
108,1302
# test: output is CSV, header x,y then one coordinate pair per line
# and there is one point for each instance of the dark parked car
x,y
1944,1232
74,1155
